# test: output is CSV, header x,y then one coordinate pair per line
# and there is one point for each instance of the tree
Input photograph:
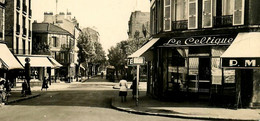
x,y
117,57
86,50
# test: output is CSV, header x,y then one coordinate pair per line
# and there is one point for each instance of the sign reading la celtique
x,y
241,62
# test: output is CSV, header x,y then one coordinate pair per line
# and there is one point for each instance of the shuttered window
x,y
167,15
193,14
238,16
207,13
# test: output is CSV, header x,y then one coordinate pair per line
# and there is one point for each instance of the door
x,y
246,86
204,74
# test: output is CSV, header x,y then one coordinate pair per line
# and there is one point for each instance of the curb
x,y
129,110
22,99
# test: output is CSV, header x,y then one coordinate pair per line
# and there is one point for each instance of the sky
x,y
109,17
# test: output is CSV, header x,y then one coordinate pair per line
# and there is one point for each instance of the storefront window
x,y
177,70
229,76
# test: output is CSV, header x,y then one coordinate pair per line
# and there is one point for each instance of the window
x,y
167,15
207,13
17,45
23,46
227,7
193,14
238,16
181,10
29,47
54,41
154,19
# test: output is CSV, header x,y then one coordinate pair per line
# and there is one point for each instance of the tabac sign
x,y
201,41
240,62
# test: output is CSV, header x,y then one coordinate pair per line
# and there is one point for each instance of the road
x,y
89,101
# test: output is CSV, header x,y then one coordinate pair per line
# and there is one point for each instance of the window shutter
x,y
193,12
50,41
207,14
58,42
238,16
167,15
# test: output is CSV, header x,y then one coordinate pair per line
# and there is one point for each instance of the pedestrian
x,y
102,75
133,87
45,84
123,89
24,88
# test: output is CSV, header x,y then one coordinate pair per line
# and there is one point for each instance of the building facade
x,y
138,25
66,22
18,28
191,57
52,40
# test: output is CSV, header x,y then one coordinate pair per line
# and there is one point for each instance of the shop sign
x,y
136,61
200,41
241,62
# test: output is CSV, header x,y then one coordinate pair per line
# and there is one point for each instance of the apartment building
x,y
18,26
204,50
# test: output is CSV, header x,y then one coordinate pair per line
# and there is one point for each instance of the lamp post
x,y
28,75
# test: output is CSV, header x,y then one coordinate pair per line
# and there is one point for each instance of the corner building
x,y
204,50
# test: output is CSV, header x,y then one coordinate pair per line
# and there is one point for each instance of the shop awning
x,y
243,52
55,63
143,49
36,60
8,60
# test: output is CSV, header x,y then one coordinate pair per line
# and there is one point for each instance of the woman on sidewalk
x,y
123,89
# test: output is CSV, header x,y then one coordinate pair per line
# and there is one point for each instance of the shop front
x,y
190,68
243,58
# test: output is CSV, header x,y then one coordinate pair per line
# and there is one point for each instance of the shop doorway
x,y
204,69
246,86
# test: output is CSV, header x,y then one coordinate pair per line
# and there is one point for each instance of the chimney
x,y
48,17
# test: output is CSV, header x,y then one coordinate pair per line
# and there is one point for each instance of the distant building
x,y
18,26
66,22
139,25
50,39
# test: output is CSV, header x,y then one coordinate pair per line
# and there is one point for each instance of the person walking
x,y
133,87
123,89
45,84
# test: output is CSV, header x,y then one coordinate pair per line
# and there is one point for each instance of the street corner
x,y
17,97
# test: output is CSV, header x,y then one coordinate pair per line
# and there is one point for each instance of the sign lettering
x,y
198,41
241,62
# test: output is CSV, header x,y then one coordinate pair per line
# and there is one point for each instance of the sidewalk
x,y
148,106
16,96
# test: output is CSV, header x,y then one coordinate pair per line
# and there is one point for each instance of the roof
x,y
48,28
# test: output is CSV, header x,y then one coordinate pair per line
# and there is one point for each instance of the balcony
x,y
180,25
223,21
24,9
17,29
24,32
18,5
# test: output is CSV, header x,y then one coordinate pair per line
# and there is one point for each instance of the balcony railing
x,y
18,5
24,9
24,31
223,21
17,28
180,25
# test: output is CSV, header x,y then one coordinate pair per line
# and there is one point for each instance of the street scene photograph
x,y
129,60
